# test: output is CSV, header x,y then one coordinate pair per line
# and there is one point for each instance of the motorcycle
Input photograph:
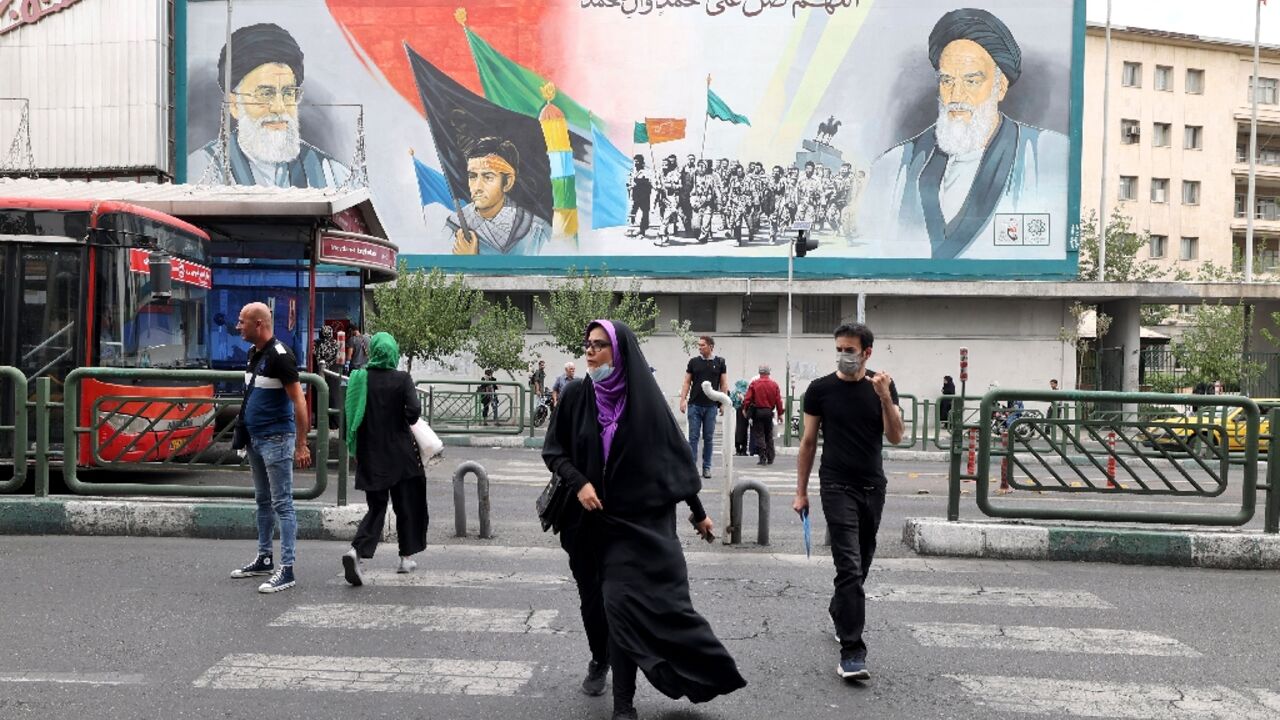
x,y
541,408
1003,419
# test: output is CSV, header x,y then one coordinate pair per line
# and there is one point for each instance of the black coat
x,y
385,450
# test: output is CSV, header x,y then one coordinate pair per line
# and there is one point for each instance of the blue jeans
x,y
271,458
702,423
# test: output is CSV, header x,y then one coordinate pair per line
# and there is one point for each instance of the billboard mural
x,y
916,137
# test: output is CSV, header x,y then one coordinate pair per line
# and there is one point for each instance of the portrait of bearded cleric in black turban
x,y
976,184
266,146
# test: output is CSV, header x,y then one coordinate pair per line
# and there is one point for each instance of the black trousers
x,y
852,510
624,677
641,200
740,433
409,499
584,563
762,434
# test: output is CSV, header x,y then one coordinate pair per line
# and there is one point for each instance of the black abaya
x,y
627,558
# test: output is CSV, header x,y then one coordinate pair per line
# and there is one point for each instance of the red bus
x,y
79,292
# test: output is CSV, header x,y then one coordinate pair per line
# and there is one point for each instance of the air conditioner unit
x,y
1132,132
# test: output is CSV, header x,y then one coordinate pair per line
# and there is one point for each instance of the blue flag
x,y
808,529
609,186
432,187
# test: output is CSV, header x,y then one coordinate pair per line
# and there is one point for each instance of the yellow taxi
x,y
1231,428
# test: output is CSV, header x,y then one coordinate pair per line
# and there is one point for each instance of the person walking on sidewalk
x,y
763,400
700,409
616,444
382,404
744,419
272,429
856,409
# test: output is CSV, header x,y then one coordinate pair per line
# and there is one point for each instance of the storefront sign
x,y
183,271
360,253
16,13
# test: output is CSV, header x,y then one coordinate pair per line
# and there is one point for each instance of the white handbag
x,y
429,444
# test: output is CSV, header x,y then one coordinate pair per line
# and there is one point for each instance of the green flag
x,y
717,109
640,135
510,85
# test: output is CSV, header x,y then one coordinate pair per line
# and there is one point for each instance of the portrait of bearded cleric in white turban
x,y
266,145
976,184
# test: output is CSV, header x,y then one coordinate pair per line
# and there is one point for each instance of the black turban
x,y
256,45
983,28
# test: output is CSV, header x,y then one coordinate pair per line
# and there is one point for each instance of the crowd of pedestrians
x,y
622,465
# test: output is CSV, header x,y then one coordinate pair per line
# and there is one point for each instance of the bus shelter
x,y
310,254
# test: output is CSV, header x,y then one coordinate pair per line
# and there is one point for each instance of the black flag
x,y
459,118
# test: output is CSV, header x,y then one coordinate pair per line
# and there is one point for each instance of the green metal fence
x,y
1116,453
454,407
15,435
110,413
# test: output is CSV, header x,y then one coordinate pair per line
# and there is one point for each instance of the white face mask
x,y
600,372
848,363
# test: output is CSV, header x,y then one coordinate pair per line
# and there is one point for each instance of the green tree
x,y
1210,348
498,340
1124,248
428,313
582,297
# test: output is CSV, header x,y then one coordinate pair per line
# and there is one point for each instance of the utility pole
x,y
1106,135
1253,147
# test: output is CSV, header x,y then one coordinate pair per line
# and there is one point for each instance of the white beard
x,y
268,146
960,137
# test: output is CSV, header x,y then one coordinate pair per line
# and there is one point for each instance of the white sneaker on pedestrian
x,y
351,568
406,565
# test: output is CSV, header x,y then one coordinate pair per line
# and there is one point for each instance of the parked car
x,y
1190,429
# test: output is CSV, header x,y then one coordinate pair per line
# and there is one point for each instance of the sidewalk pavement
x,y
524,441
1124,544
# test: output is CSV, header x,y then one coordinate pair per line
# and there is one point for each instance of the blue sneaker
x,y
281,579
261,566
853,669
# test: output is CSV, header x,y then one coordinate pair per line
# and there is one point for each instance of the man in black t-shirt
x,y
856,409
700,409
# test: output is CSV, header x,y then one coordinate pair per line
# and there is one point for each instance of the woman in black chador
x,y
616,443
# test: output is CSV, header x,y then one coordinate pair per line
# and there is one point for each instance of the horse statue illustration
x,y
827,130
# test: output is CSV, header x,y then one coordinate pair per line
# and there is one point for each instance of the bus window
x,y
50,301
135,331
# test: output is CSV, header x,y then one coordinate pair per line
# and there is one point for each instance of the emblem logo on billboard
x,y
1021,229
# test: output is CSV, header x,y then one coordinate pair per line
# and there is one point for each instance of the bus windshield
x,y
137,330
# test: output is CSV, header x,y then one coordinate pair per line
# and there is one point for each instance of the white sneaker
x,y
406,565
351,567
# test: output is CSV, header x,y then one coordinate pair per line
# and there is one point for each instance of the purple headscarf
x,y
611,393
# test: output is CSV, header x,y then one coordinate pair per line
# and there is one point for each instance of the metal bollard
x,y
973,452
1111,459
735,511
460,499
1006,467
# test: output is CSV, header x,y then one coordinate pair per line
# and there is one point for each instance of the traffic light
x,y
805,243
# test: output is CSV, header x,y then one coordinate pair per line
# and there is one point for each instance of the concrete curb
x,y
1014,540
157,517
492,441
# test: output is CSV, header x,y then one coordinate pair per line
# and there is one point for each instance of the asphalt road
x,y
146,627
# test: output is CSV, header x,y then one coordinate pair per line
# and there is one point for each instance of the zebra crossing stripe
x,y
456,578
57,678
428,618
1132,701
421,676
1008,596
1096,641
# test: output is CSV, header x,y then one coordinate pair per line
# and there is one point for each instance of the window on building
x,y
1195,81
1159,190
1190,249
1240,200
1158,245
1164,78
1132,75
1128,187
1161,134
1268,208
1193,137
760,314
1130,132
1266,90
821,313
1267,156
700,311
1191,192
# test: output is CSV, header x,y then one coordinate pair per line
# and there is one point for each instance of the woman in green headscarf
x,y
743,418
381,405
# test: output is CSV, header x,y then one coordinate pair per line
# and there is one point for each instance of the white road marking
x,y
1088,698
955,565
429,618
1097,641
72,678
455,578
421,676
1009,596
